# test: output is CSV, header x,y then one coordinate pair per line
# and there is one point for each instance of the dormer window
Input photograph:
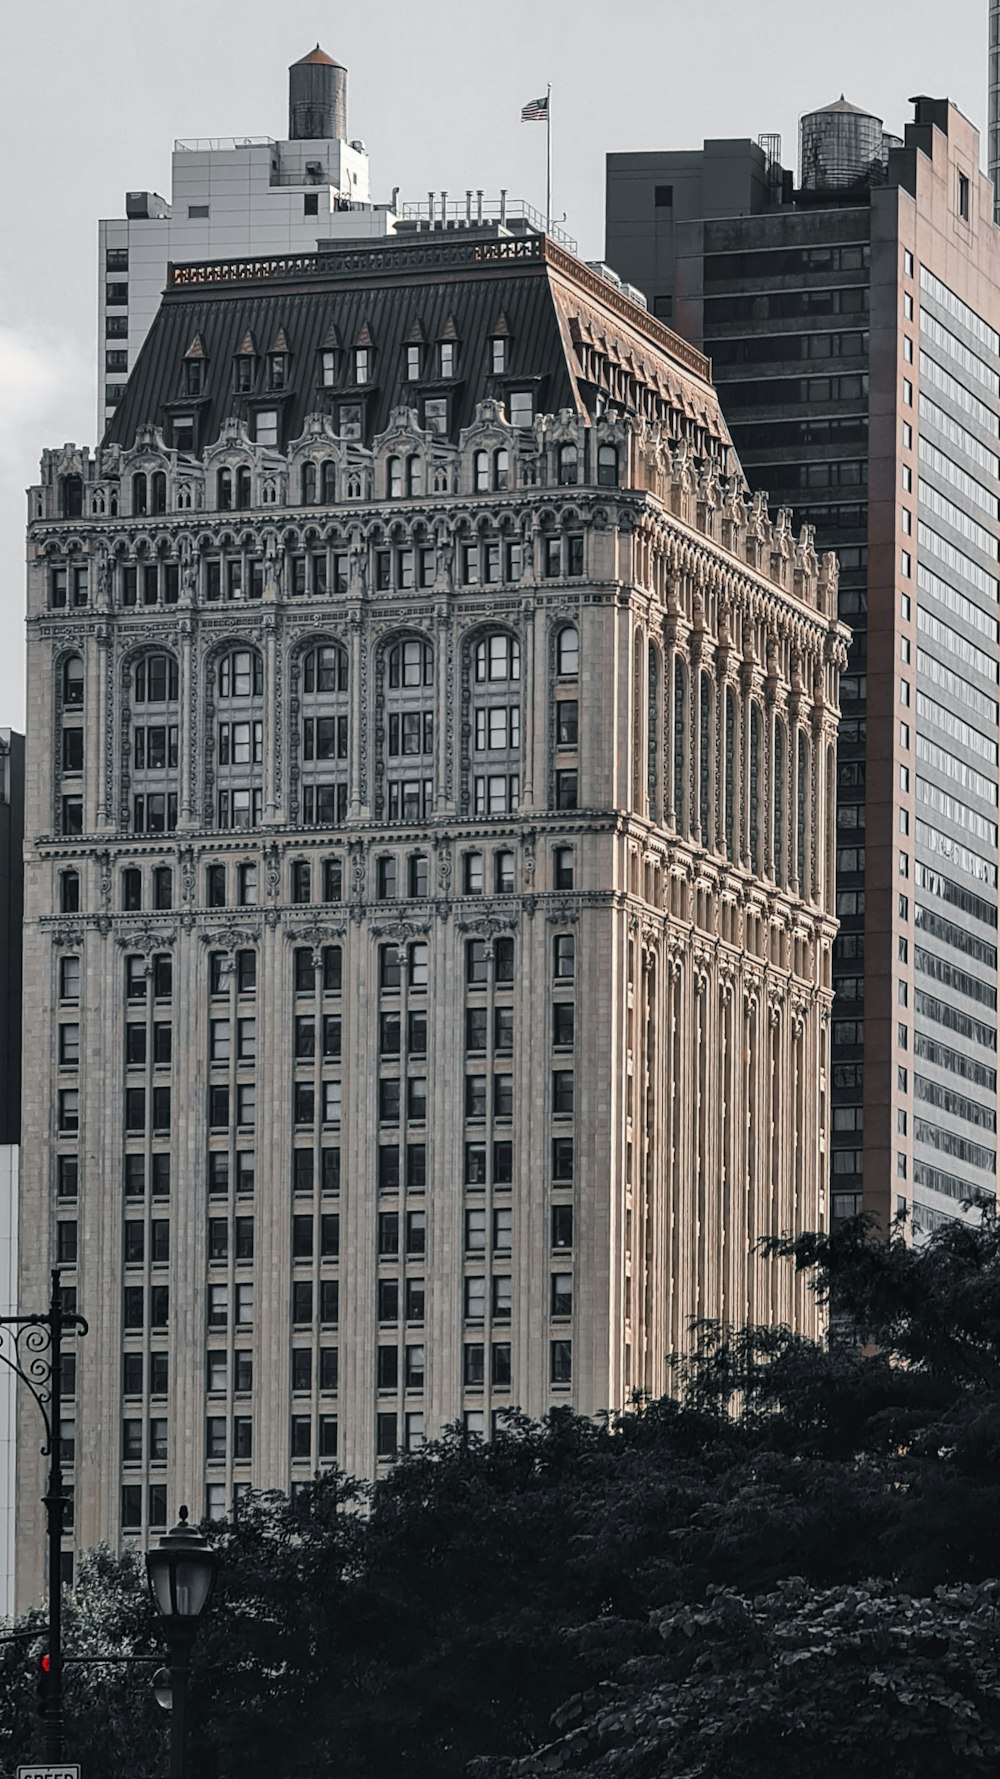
x,y
194,376
362,364
266,426
183,432
413,364
522,408
245,365
446,358
498,357
328,368
278,370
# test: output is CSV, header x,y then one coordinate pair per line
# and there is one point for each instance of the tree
x,y
857,1681
453,1610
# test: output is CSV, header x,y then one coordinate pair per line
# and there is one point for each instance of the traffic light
x,y
43,1668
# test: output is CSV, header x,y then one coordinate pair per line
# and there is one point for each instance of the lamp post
x,y
31,1347
181,1574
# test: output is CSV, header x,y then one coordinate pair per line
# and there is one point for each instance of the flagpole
x,y
548,160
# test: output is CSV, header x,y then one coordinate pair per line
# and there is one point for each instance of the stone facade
x,y
429,921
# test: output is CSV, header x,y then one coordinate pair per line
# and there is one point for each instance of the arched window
x,y
414,476
139,494
241,674
496,728
501,468
780,793
329,482
568,465
244,488
756,773
308,482
71,497
411,663
325,712
680,746
325,669
705,758
184,496
239,739
153,765
498,657
481,471
72,680
607,466
394,478
224,490
354,488
568,652
112,504
158,492
155,679
97,505
409,749
730,787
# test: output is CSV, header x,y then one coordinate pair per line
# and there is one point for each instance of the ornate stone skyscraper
x,y
429,890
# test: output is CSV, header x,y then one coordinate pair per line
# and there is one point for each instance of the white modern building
x,y
232,197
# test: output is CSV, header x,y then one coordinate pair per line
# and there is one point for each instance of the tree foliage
x,y
796,1552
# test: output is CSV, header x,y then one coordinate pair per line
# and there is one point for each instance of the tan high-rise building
x,y
429,910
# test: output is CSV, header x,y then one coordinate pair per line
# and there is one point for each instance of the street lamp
x,y
181,1574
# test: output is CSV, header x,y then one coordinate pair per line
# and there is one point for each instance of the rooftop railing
x,y
219,144
439,213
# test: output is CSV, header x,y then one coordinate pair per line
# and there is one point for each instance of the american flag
x,y
536,111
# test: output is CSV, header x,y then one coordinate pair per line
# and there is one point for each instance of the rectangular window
x,y
521,407
561,1362
566,790
266,426
562,1226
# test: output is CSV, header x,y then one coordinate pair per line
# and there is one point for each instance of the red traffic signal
x,y
44,1665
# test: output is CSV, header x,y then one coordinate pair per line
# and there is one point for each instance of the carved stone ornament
x,y
145,939
67,935
799,1015
315,935
562,913
228,937
399,932
488,926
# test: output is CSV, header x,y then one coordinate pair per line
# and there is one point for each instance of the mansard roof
x,y
568,329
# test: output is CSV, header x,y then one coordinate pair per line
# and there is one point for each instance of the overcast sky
x,y
91,98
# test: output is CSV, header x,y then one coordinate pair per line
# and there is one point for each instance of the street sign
x,y
58,1771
